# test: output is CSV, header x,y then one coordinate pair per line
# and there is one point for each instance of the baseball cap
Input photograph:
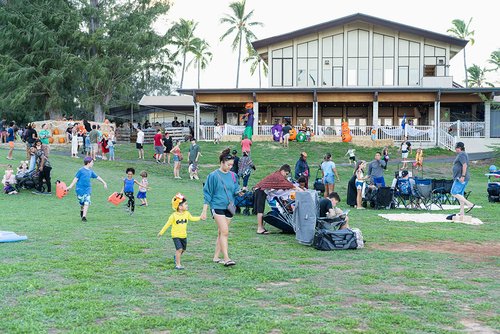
x,y
404,173
459,145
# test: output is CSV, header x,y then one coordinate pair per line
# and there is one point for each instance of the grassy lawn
x,y
113,275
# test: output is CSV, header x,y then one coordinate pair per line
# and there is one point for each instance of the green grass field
x,y
113,275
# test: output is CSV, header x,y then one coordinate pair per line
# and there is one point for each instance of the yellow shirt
x,y
179,221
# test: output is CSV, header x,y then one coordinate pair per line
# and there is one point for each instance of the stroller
x,y
281,215
493,185
244,201
379,198
29,181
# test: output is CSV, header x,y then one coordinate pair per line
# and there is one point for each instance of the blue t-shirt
x,y
10,136
129,185
87,141
83,186
327,167
214,193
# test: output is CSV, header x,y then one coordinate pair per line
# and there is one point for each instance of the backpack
x,y
404,187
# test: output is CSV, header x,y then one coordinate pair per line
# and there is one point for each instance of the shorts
x,y
167,150
259,200
176,158
11,144
180,243
221,212
95,147
379,180
84,199
138,146
159,149
329,179
458,188
404,154
286,136
141,194
352,158
359,185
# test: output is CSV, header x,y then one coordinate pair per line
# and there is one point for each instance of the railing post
x,y
487,119
458,129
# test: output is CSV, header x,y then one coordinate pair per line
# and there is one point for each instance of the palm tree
x,y
255,62
201,56
495,59
478,76
239,23
461,30
183,37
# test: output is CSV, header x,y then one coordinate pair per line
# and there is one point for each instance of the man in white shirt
x,y
139,143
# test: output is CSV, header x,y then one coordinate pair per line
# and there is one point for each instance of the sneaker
x,y
131,213
37,192
179,267
84,219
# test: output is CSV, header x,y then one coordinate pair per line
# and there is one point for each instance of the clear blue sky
x,y
282,16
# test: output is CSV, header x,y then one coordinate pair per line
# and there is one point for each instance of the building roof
x,y
359,17
167,101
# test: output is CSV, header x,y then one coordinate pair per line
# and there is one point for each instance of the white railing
x,y
471,129
446,140
329,130
206,132
265,130
360,130
422,133
233,129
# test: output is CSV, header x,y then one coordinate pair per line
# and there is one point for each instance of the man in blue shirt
x,y
10,139
84,187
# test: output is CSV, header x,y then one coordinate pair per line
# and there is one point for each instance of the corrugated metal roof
x,y
359,17
167,101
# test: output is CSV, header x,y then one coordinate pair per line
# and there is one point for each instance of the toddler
x,y
193,171
178,220
419,159
111,148
128,189
142,188
8,181
352,155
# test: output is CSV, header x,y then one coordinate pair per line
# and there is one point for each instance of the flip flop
x,y
229,263
469,209
263,232
221,261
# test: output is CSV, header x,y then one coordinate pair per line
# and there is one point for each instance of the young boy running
x,y
178,220
84,187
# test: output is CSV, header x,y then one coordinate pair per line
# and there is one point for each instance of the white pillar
x,y
315,117
197,120
458,129
375,115
255,118
487,119
436,126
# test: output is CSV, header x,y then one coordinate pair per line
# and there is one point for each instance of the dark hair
x,y
328,155
11,124
333,194
302,179
226,155
144,173
234,152
130,169
94,126
285,168
404,173
245,153
378,153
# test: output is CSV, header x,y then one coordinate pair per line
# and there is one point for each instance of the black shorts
x,y
352,158
259,200
138,146
180,243
167,150
222,212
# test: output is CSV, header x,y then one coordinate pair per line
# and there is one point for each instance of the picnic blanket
x,y
7,236
426,218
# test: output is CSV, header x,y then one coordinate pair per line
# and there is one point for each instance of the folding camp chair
x,y
404,194
424,194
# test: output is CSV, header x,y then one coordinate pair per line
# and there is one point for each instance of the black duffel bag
x,y
330,240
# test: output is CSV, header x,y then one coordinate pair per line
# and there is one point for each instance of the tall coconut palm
x,y
255,63
239,24
478,76
461,30
182,36
495,60
202,56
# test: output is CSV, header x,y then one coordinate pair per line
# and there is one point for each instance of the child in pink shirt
x,y
245,144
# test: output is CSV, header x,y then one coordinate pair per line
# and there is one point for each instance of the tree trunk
x,y
199,70
98,112
183,68
260,79
239,60
54,114
466,76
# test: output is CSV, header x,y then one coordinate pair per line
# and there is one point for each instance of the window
x,y
307,64
332,63
409,63
434,61
357,58
383,60
282,67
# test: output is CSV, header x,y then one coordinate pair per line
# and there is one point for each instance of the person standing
x,y
94,141
44,136
176,151
10,139
376,170
158,143
194,152
405,149
219,193
30,136
44,168
74,141
461,178
139,143
168,144
246,144
330,175
302,168
286,134
245,167
236,158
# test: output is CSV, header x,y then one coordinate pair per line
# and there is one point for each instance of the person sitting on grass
x,y
328,208
179,220
84,187
9,181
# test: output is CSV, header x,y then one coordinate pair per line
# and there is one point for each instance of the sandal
x,y
263,232
221,261
469,209
229,263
